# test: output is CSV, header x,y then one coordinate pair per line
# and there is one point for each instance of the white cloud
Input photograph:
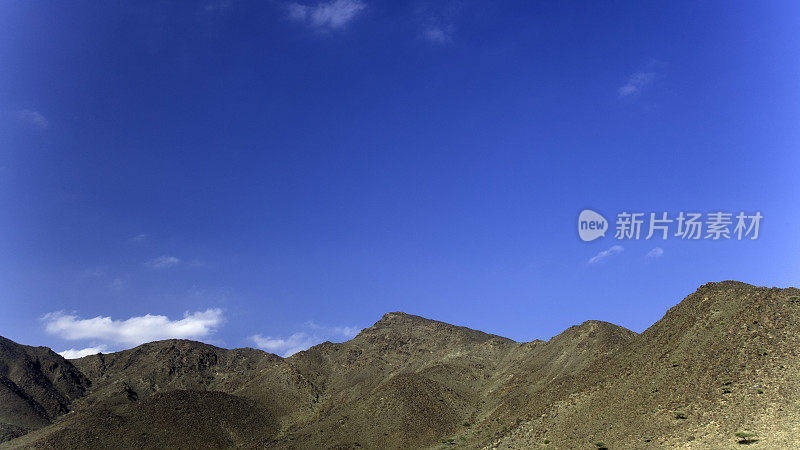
x,y
33,118
303,340
327,15
162,262
605,254
135,330
141,237
637,82
80,353
655,253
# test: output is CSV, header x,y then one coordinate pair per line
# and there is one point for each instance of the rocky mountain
x,y
36,386
722,361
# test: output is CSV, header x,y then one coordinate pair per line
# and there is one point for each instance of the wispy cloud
x,y
32,118
302,340
642,79
348,332
162,262
93,272
655,253
636,83
80,353
326,15
605,254
437,20
285,346
135,330
438,34
141,237
118,283
218,5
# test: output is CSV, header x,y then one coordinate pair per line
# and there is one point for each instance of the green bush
x,y
745,437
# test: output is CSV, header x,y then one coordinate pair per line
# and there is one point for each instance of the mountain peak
x,y
396,315
597,332
419,326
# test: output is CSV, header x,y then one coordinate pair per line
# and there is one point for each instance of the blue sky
x,y
275,174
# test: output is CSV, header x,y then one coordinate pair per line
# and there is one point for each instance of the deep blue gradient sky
x,y
332,162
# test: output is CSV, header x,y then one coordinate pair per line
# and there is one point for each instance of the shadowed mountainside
x,y
723,360
36,386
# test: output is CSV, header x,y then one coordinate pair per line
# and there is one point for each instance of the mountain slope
x,y
170,365
173,419
724,360
36,386
404,382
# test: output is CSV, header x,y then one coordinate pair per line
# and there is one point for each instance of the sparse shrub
x,y
601,445
726,383
546,441
745,437
680,415
466,424
759,391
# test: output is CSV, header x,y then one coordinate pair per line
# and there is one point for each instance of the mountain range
x,y
719,370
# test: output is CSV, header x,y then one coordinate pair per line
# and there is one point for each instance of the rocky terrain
x,y
723,361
